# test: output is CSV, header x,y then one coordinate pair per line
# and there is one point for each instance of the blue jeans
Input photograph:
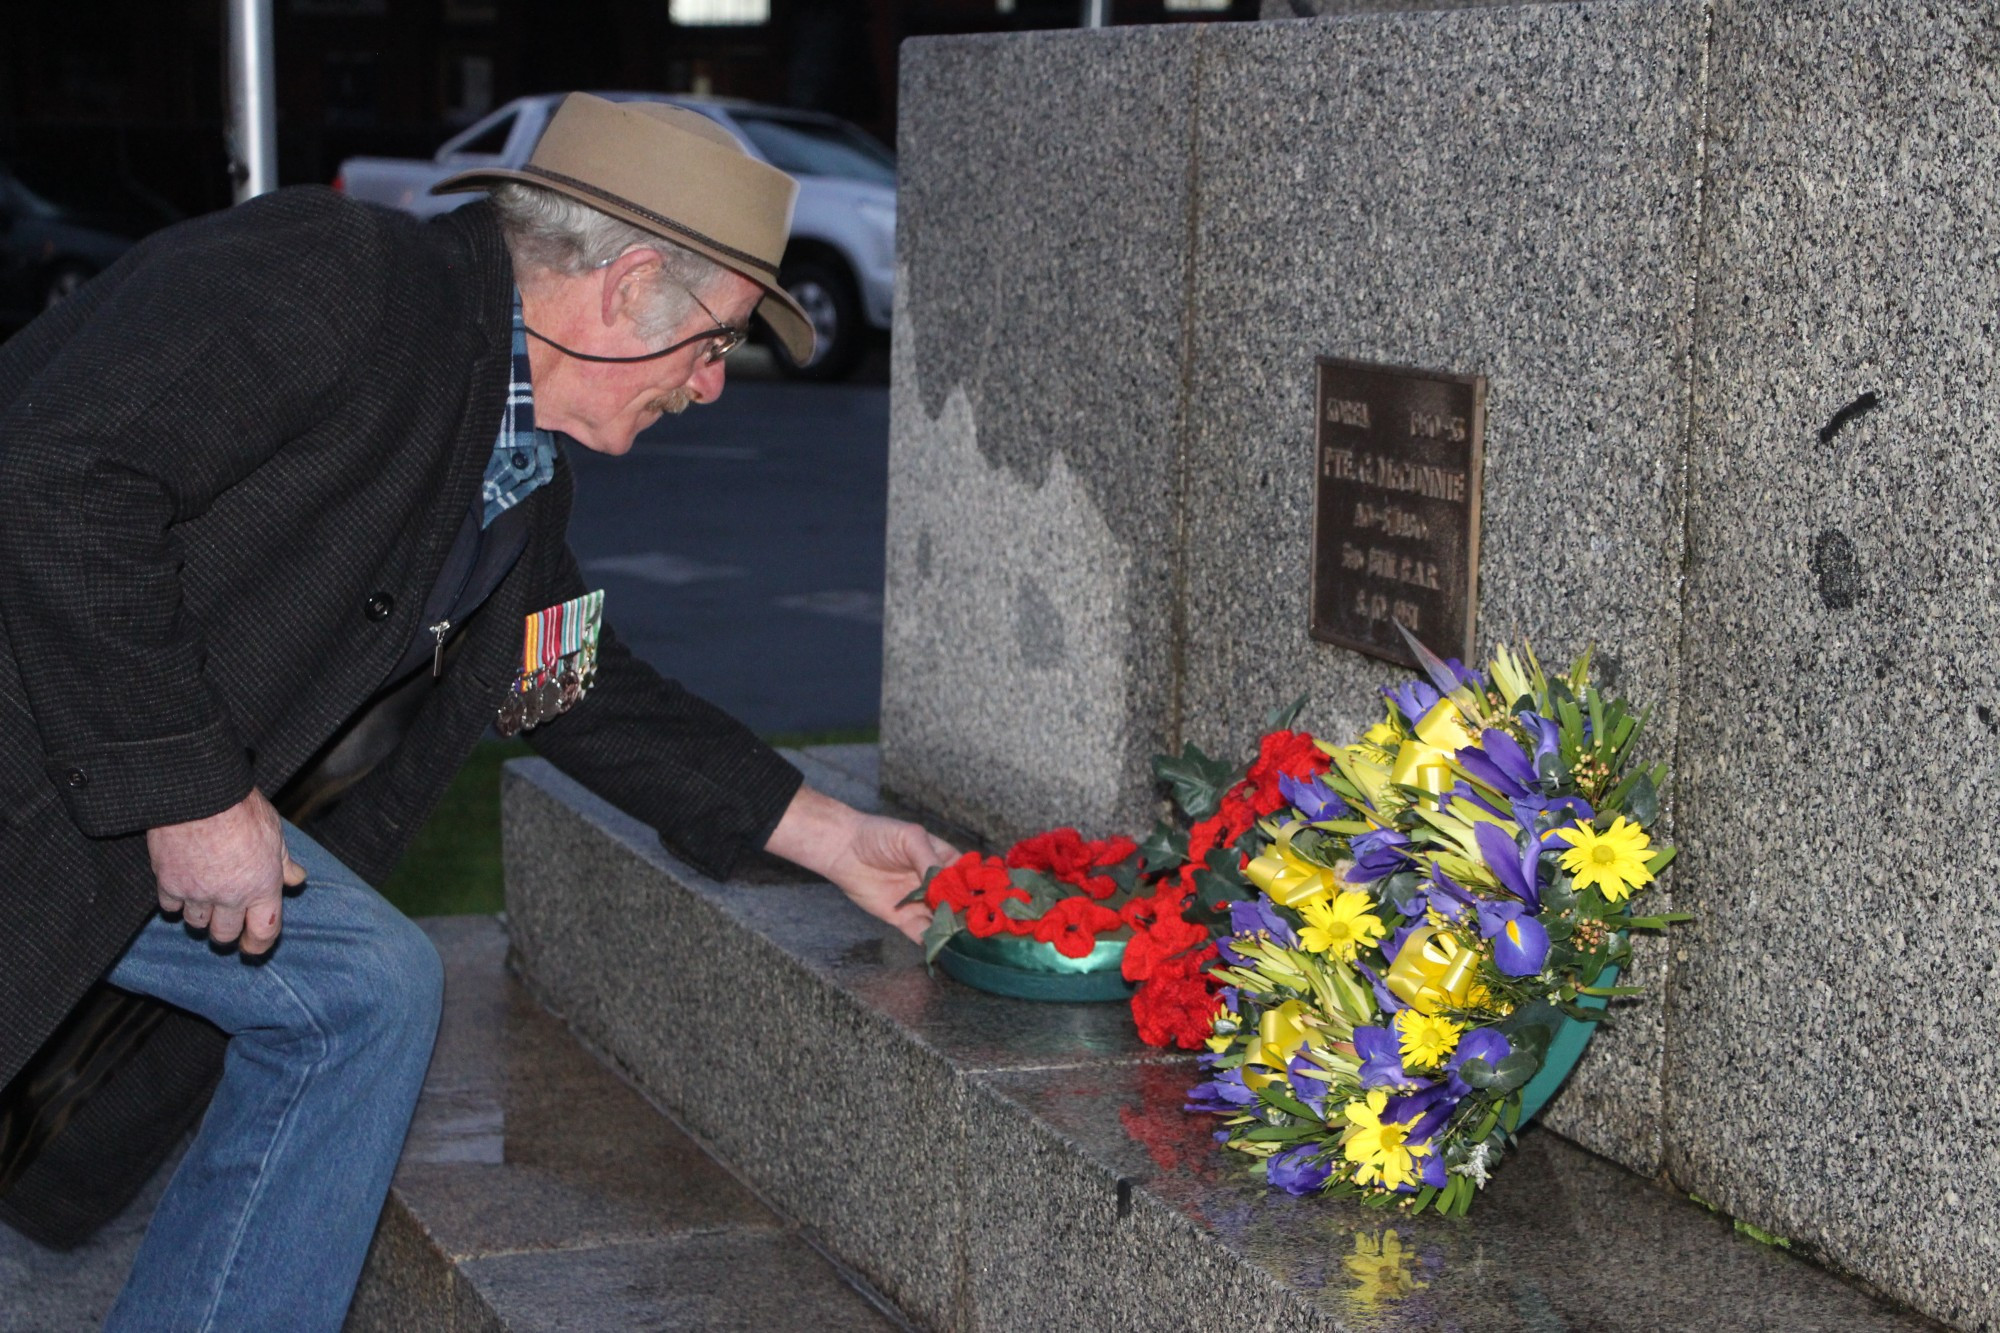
x,y
267,1220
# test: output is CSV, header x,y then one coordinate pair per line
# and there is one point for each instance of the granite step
x,y
990,1164
539,1191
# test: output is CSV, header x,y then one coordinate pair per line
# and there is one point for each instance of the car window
x,y
490,142
819,148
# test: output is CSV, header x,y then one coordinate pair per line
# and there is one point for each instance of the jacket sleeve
x,y
710,787
213,345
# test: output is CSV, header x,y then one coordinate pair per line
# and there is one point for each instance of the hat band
x,y
619,201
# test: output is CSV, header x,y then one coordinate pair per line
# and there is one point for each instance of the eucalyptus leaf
x,y
1642,804
1514,1071
1476,1072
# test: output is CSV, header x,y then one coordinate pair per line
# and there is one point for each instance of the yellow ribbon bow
x,y
1432,971
1288,878
1281,1034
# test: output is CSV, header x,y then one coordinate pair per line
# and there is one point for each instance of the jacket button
x,y
380,605
77,779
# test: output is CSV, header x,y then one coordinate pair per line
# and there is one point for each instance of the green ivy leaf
x,y
1281,719
1197,780
1166,845
945,924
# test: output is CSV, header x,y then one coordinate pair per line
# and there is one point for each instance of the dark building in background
x,y
133,90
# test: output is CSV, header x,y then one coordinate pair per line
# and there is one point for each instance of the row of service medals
x,y
558,663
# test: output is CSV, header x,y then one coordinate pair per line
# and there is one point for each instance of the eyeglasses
x,y
722,339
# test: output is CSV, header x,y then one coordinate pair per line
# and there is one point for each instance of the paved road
x,y
740,548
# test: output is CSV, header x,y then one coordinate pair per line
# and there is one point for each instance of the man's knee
x,y
407,979
385,984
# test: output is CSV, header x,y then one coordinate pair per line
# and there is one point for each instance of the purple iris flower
x,y
1520,942
1314,800
1432,1169
1295,1172
1430,1105
1381,1058
1500,762
1480,1043
1223,1094
1248,916
1376,855
1448,898
1308,1084
1517,865
1412,699
1464,790
1546,734
1544,812
1464,674
1383,995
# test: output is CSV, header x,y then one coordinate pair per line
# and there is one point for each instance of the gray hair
x,y
552,232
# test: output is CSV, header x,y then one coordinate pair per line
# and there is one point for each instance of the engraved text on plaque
x,y
1396,508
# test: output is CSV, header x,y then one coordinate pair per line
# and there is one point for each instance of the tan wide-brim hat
x,y
677,174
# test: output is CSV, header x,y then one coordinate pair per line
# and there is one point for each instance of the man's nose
x,y
707,381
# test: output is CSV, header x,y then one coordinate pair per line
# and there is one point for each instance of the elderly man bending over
x,y
285,535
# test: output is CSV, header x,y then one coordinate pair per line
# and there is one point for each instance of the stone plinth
x,y
1841,693
1486,191
998,1164
1035,426
1685,240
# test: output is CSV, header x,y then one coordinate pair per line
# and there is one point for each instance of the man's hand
x,y
227,873
876,862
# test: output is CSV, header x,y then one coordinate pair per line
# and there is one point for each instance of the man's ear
x,y
626,282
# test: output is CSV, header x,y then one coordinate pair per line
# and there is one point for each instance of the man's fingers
x,y
295,874
261,925
912,919
224,923
170,904
943,851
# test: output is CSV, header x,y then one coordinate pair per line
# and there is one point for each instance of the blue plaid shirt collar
x,y
523,457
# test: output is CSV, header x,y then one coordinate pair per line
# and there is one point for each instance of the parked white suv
x,y
840,264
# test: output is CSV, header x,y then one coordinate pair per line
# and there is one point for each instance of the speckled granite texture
x,y
1307,9
1830,1074
1034,425
1001,1165
1500,191
1508,182
1683,239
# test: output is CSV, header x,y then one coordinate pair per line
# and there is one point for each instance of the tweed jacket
x,y
230,471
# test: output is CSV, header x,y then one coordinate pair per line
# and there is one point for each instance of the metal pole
x,y
1096,13
253,106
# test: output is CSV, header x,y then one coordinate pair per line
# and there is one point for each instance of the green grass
x,y
453,867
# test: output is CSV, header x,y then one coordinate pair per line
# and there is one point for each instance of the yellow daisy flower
x,y
1380,1148
1614,860
1426,1039
1341,926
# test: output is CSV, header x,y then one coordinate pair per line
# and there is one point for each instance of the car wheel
x,y
825,292
63,284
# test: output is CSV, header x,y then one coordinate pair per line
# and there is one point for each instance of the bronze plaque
x,y
1396,508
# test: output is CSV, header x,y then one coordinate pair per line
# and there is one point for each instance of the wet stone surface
x,y
539,1191
998,1164
1559,1240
